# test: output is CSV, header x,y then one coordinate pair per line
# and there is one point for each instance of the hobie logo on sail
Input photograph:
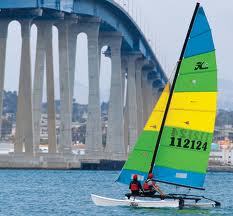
x,y
201,66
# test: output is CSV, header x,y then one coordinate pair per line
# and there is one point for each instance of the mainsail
x,y
178,145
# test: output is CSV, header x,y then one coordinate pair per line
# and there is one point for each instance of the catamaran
x,y
176,140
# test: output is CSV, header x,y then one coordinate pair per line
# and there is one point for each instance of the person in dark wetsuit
x,y
135,186
150,187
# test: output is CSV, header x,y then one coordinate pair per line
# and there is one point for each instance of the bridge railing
x,y
136,14
63,5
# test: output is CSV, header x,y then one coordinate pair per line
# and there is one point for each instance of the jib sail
x,y
139,160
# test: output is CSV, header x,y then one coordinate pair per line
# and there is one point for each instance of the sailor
x,y
150,187
135,186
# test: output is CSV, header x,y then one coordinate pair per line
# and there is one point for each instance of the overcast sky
x,y
169,21
165,22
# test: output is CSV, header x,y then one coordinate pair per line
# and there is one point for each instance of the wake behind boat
x,y
175,144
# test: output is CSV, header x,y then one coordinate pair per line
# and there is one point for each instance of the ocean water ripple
x,y
61,193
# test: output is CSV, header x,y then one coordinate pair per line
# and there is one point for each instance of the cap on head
x,y
135,177
150,175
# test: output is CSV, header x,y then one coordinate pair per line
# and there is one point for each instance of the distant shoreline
x,y
220,169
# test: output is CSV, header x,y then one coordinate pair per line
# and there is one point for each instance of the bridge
x,y
137,77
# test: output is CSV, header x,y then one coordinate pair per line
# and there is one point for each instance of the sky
x,y
165,22
169,21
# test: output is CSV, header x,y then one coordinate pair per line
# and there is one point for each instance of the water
x,y
61,193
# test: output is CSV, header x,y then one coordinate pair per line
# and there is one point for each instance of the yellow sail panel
x,y
191,120
155,120
199,101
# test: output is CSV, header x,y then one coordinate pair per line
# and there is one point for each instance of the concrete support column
x,y
124,69
139,65
72,44
65,112
38,83
3,38
132,100
24,118
94,129
44,52
52,141
115,135
156,86
146,95
155,93
149,99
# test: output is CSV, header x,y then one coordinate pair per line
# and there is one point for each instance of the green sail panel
x,y
184,147
194,73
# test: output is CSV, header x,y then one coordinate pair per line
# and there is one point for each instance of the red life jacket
x,y
146,187
134,186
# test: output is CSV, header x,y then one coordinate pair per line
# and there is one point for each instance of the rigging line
x,y
172,73
173,86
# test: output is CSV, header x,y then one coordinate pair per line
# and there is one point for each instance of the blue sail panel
x,y
179,177
200,44
201,24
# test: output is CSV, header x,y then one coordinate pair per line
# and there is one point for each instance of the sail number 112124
x,y
188,144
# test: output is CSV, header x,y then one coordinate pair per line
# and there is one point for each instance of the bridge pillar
x,y
44,53
38,83
65,141
132,100
139,64
3,38
146,94
115,135
24,118
150,98
94,129
52,141
124,69
156,85
72,43
156,94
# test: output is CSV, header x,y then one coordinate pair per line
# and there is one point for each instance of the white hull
x,y
104,201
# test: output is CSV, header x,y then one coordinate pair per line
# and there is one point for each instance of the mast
x,y
173,86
